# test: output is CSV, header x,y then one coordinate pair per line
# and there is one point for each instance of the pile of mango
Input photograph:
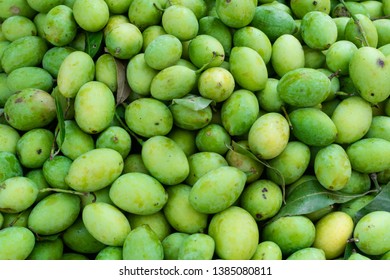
x,y
194,129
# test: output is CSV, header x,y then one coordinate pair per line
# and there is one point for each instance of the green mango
x,y
157,222
352,118
318,30
304,87
197,246
34,147
30,108
213,138
236,13
149,34
60,26
180,21
379,128
180,213
235,233
30,77
172,244
106,71
139,74
300,8
187,118
44,6
78,239
185,139
291,164
94,107
217,190
134,163
248,68
9,136
18,26
339,55
53,59
25,51
54,213
205,50
110,253
17,194
262,199
164,51
371,233
55,170
290,233
213,26
268,135
216,83
144,14
16,243
76,141
332,167
94,170
9,8
383,28
116,138
165,160
273,21
312,126
267,250
358,183
268,98
369,155
142,243
124,40
353,33
91,15
76,69
126,194
47,250
308,254
235,120
5,91
148,117
282,61
106,223
173,82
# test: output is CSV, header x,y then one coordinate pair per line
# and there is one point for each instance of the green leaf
x,y
193,102
311,196
93,41
381,202
123,88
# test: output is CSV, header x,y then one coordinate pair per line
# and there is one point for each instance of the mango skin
x,y
369,155
142,243
217,189
30,108
76,69
106,223
25,51
165,160
126,194
235,233
332,233
304,87
54,213
94,107
197,246
16,243
269,135
94,170
371,233
291,233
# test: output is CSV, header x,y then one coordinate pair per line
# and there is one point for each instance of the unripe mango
x,y
94,170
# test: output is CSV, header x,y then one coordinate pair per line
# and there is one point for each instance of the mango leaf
x,y
93,41
381,202
242,150
193,102
123,88
311,196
